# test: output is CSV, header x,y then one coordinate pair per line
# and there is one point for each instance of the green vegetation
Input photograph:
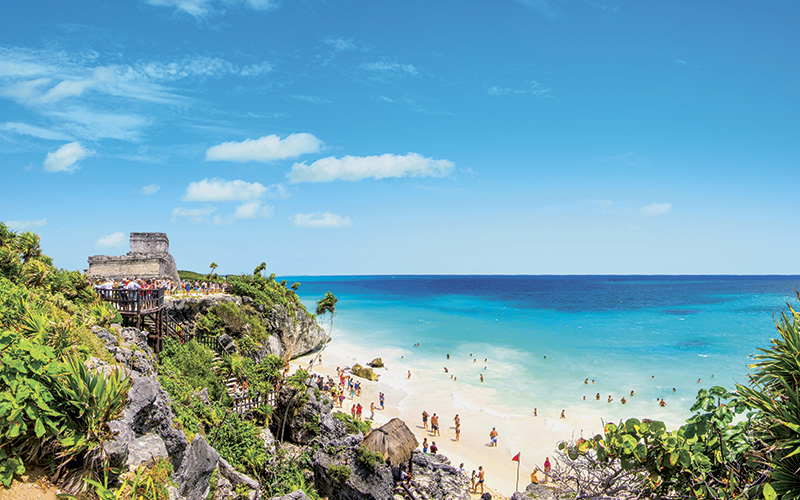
x,y
240,322
266,291
744,443
53,410
353,426
367,458
193,276
339,473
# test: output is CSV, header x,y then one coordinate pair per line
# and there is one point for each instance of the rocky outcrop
x,y
298,333
198,465
538,491
376,363
296,495
184,310
367,373
362,482
435,477
146,429
298,413
289,334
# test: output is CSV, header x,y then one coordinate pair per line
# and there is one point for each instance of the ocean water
x,y
544,336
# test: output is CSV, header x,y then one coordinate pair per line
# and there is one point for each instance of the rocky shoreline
x,y
147,430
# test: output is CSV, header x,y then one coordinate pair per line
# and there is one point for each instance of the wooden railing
x,y
133,301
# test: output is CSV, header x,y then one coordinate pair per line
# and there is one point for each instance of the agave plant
x,y
90,400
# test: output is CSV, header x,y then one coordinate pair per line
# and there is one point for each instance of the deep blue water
x,y
645,333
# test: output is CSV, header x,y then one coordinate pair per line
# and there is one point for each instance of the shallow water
x,y
543,336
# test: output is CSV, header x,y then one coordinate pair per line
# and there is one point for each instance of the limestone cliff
x,y
289,334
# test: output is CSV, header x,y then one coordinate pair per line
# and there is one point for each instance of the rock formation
x,y
297,334
146,429
360,371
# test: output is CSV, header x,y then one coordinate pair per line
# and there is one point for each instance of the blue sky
x,y
494,137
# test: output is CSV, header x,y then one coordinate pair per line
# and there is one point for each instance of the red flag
x,y
516,458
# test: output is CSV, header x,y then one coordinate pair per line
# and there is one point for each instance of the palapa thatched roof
x,y
394,440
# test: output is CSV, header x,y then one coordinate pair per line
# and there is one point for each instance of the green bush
x,y
193,363
339,473
353,426
367,458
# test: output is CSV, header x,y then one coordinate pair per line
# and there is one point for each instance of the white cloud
x,y
112,240
356,168
540,6
149,189
66,158
319,220
267,148
193,214
25,225
278,192
390,67
203,8
533,88
252,210
656,209
34,131
340,44
222,190
96,101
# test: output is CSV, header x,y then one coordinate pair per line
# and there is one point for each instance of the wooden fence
x,y
133,302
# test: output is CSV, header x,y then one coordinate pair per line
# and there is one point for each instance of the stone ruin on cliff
x,y
149,258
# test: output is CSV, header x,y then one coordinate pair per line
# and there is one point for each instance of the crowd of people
x,y
169,286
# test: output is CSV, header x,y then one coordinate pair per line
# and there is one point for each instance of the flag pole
x,y
517,488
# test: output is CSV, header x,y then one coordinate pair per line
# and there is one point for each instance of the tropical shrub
x,y
367,458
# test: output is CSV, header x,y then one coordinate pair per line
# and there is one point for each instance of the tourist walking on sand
x,y
493,437
372,410
435,425
546,469
424,419
359,410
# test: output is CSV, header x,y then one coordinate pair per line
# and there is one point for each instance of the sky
x,y
448,137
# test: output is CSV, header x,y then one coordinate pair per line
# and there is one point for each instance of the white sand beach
x,y
432,390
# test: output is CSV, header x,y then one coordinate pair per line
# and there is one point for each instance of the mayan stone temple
x,y
149,258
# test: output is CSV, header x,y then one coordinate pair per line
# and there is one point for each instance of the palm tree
x,y
28,246
327,305
213,266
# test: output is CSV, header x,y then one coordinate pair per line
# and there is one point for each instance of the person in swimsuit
x,y
481,478
424,419
493,437
435,425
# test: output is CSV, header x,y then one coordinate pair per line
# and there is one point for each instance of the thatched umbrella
x,y
394,440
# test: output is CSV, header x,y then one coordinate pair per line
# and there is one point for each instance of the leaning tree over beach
x,y
327,305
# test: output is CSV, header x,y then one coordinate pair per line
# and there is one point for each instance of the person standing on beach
x,y
435,425
372,410
425,445
481,478
493,437
546,469
409,374
424,419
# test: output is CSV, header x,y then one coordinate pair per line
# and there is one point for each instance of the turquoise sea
x,y
543,336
